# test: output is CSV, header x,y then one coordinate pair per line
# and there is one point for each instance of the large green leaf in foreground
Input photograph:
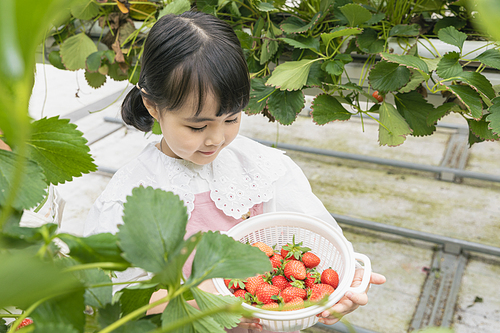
x,y
60,149
393,129
155,225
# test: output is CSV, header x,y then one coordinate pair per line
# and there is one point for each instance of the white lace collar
x,y
241,176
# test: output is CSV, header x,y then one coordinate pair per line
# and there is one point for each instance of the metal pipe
x,y
420,235
384,161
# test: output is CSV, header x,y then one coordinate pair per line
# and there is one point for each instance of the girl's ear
x,y
152,108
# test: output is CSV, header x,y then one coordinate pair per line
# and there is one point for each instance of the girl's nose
x,y
215,137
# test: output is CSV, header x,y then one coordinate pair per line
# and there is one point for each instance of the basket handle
x,y
366,274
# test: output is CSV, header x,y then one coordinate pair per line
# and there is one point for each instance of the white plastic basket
x,y
323,239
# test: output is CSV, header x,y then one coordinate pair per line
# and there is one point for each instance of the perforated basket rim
x,y
307,222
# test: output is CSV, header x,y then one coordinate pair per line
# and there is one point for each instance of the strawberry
x,y
280,281
270,306
253,282
295,269
377,96
320,290
312,277
310,260
25,322
276,260
294,304
235,283
329,276
293,250
240,293
264,248
265,291
293,292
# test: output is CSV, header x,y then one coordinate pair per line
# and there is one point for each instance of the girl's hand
x,y
350,301
250,323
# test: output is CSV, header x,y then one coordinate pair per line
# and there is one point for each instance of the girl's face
x,y
200,138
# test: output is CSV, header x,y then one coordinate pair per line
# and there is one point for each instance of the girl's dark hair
x,y
183,54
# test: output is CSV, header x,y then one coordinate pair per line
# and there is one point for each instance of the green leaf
x,y
302,42
295,25
219,256
207,301
60,149
490,58
259,95
376,18
291,75
449,65
339,32
24,280
284,106
393,129
452,36
494,118
266,7
93,61
478,82
415,81
95,248
156,128
177,309
12,229
133,299
407,61
438,113
269,48
55,60
98,296
175,7
355,14
85,10
31,190
386,76
95,80
67,309
415,110
75,50
333,67
316,75
154,226
431,63
327,108
369,42
45,327
116,73
469,97
405,30
245,39
445,22
172,274
480,129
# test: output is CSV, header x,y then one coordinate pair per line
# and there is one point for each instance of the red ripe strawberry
x,y
253,282
265,291
377,96
235,283
294,304
240,293
25,322
293,292
270,306
310,260
329,276
295,269
276,260
318,291
280,281
264,248
312,278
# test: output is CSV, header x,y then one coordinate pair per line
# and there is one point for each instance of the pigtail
x,y
134,112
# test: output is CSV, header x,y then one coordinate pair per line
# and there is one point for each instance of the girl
x,y
194,81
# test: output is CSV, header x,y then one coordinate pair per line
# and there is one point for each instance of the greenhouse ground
x,y
467,210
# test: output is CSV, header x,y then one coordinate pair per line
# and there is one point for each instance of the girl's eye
x,y
197,129
235,120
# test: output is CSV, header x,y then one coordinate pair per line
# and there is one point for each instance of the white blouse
x,y
244,173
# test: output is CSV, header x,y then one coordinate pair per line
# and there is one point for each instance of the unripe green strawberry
x,y
296,269
265,291
264,248
329,276
310,260
292,292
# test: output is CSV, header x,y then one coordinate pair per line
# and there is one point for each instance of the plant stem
x,y
106,265
26,314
